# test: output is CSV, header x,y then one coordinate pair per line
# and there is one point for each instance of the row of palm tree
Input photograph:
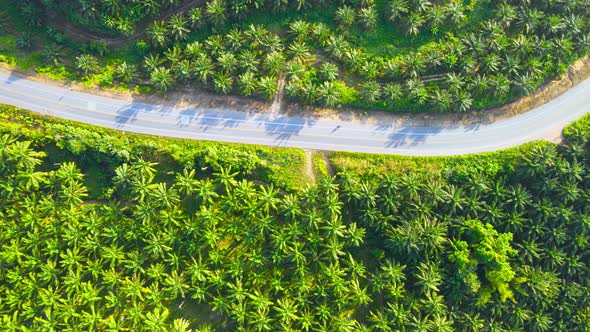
x,y
465,248
509,54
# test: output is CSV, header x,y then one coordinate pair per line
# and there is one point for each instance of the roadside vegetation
x,y
104,231
442,56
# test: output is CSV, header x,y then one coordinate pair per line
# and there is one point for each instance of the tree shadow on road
x,y
284,127
410,136
208,119
128,113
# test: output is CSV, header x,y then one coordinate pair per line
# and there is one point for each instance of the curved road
x,y
225,125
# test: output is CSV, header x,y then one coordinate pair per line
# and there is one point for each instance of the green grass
x,y
489,163
579,128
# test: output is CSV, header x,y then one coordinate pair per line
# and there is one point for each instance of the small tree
x,y
483,247
345,16
247,83
268,87
330,94
216,11
368,18
222,83
158,33
87,63
125,72
329,71
178,27
162,79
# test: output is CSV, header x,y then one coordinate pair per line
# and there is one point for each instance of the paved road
x,y
226,125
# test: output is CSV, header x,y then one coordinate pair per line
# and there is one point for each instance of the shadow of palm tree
x,y
186,117
210,119
126,114
410,136
233,119
129,112
284,127
383,127
12,78
472,128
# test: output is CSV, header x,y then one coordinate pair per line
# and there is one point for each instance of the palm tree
x,y
247,83
204,68
152,62
235,38
437,16
261,319
299,51
506,14
441,99
416,90
414,64
215,11
183,70
125,72
225,178
329,71
193,50
158,33
397,9
180,325
393,92
151,7
155,320
379,321
248,61
268,86
455,13
274,63
87,63
215,44
51,53
455,82
287,310
300,29
530,19
222,82
329,93
368,18
174,285
195,17
345,16
227,61
371,91
462,101
414,23
178,27
162,79
173,55
525,84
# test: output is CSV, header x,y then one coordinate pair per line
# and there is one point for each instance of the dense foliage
x,y
396,54
465,251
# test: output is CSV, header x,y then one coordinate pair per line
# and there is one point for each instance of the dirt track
x,y
86,35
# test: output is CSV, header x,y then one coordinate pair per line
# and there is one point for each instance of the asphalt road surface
x,y
227,125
